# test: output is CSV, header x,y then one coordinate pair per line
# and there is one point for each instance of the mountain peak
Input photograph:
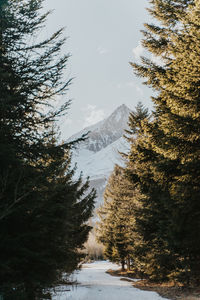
x,y
122,107
106,131
120,112
97,156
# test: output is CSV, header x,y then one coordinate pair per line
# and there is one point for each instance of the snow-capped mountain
x,y
97,156
107,131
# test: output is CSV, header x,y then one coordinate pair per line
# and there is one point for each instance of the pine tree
x,y
116,220
135,118
165,160
43,209
136,172
110,230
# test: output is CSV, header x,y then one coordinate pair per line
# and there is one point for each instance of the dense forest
x,y
150,219
43,210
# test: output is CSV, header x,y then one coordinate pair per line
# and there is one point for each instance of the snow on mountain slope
x,y
100,164
97,156
105,132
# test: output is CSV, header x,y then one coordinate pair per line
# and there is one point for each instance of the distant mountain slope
x,y
100,164
106,131
97,155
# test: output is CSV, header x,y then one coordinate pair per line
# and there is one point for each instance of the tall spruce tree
x,y
116,228
133,135
113,228
43,210
167,157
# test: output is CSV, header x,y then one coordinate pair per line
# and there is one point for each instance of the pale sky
x,y
103,36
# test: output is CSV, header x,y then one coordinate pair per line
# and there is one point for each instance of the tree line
x,y
150,219
43,210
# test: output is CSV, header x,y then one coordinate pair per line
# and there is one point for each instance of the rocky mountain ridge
x,y
105,132
97,156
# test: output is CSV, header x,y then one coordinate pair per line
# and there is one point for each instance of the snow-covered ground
x,y
95,284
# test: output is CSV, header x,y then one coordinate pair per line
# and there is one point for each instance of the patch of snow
x,y
95,284
100,164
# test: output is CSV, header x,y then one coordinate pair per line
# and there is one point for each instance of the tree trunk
x,y
128,263
123,265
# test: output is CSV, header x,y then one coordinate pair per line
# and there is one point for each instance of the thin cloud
x,y
132,85
128,84
102,50
93,115
68,121
138,51
139,90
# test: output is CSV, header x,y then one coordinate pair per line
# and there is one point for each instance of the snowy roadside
x,y
95,284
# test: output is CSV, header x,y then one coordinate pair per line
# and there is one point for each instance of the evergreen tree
x,y
135,118
115,229
43,209
165,161
111,229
